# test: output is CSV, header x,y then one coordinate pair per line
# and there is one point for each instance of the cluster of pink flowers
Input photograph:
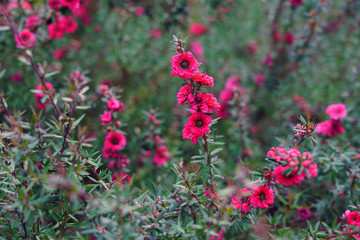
x,y
61,24
334,126
293,166
201,104
353,219
115,140
256,196
232,89
161,153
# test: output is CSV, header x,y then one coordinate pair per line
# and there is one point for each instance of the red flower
x,y
33,21
197,126
303,213
106,117
26,39
203,79
161,155
204,102
69,24
353,218
287,180
114,141
197,29
184,65
289,38
185,94
262,196
242,200
296,3
115,105
336,111
54,4
156,33
56,30
331,128
71,4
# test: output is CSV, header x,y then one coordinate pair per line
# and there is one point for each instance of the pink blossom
x,y
156,33
197,29
115,105
106,117
259,79
336,111
26,39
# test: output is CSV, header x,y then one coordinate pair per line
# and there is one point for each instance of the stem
x,y
208,161
23,224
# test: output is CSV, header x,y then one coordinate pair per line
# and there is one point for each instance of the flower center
x,y
244,200
114,141
185,64
262,196
199,123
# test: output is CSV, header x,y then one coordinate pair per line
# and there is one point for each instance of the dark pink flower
x,y
197,126
330,128
121,177
17,77
59,53
303,213
262,196
197,48
106,117
289,38
242,200
185,94
56,30
336,111
197,29
39,96
296,3
71,4
156,33
259,79
353,218
26,39
55,4
161,155
69,24
114,141
115,105
203,79
139,11
33,21
184,65
287,179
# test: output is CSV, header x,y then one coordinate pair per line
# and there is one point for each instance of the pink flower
x,y
25,40
71,4
185,94
252,48
296,3
156,33
357,236
303,213
197,126
203,79
25,5
56,30
69,24
197,29
59,53
353,218
336,111
184,65
161,155
269,61
242,200
287,180
33,21
16,77
197,48
54,4
39,96
331,128
115,105
259,79
204,103
139,11
262,196
114,141
289,38
106,117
